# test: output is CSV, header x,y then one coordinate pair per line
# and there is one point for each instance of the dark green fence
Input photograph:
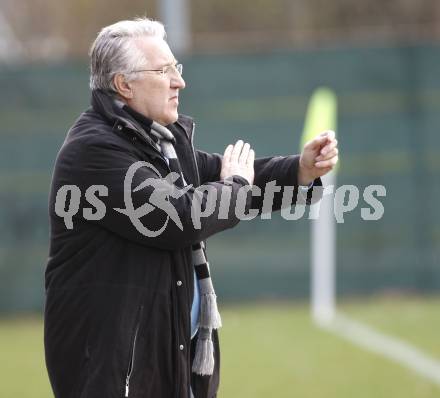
x,y
389,113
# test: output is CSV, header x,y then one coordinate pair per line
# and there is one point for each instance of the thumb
x,y
322,138
316,142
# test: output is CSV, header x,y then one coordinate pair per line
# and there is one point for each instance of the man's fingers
x,y
228,152
317,142
328,154
329,146
250,159
321,139
238,160
236,151
244,153
327,163
330,134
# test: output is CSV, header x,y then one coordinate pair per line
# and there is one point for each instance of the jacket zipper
x,y
173,292
194,152
176,332
131,363
130,367
198,183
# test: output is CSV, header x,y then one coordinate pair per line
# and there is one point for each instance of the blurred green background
x,y
250,70
389,108
272,349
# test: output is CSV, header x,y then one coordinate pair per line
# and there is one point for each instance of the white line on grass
x,y
390,347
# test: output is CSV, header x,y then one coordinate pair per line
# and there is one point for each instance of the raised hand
x,y
238,159
318,157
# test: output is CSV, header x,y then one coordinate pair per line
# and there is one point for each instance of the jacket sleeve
x,y
279,170
106,164
209,166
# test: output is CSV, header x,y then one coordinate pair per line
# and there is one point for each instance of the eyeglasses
x,y
167,70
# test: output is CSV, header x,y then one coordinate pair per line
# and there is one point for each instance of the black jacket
x,y
117,310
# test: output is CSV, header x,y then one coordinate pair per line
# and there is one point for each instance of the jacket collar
x,y
119,115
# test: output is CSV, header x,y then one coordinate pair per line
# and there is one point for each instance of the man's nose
x,y
178,82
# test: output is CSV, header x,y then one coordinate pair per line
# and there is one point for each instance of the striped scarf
x,y
209,317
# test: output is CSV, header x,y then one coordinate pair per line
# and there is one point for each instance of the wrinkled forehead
x,y
156,51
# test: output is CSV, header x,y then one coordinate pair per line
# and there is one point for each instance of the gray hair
x,y
115,51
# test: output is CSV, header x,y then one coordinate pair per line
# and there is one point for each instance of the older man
x,y
130,306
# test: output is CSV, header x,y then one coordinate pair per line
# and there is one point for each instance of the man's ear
x,y
122,86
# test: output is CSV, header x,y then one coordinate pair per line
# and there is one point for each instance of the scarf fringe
x,y
209,314
203,363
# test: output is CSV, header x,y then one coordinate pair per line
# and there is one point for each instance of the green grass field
x,y
272,350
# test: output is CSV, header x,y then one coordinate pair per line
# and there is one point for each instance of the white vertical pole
x,y
175,15
322,115
323,256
